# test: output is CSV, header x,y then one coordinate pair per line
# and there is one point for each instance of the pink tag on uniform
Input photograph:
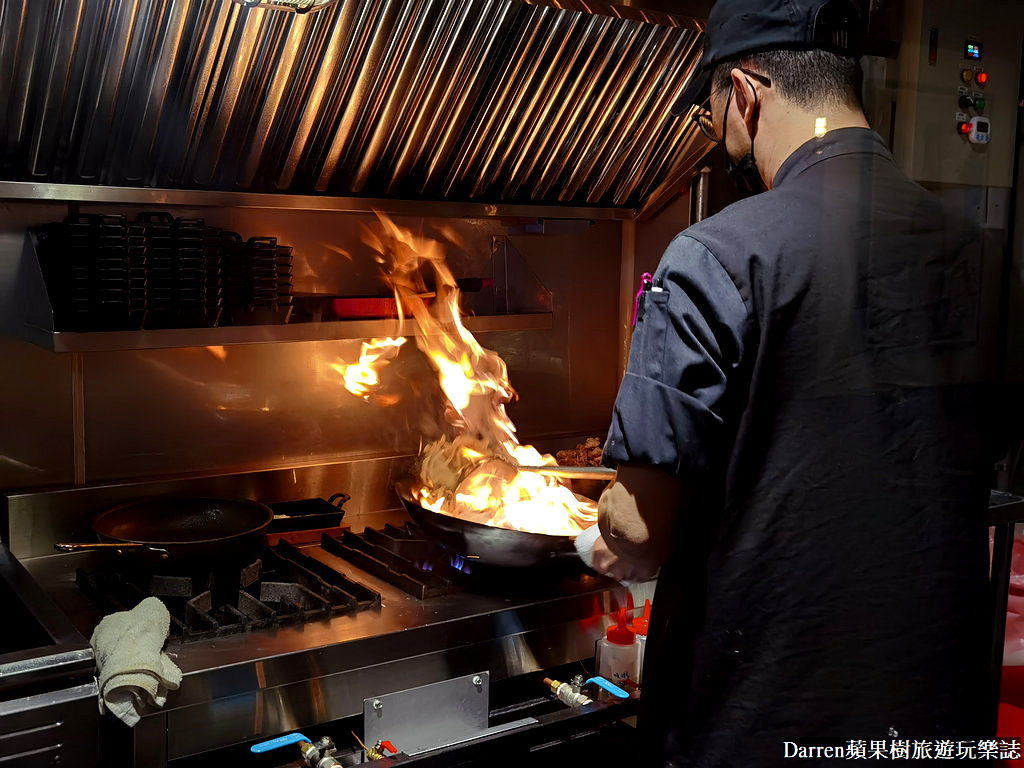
x,y
646,280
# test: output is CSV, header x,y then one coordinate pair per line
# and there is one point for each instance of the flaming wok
x,y
476,489
488,544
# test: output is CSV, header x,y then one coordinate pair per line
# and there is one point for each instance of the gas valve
x,y
380,750
566,693
317,755
321,754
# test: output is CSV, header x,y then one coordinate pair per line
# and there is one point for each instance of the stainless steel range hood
x,y
479,101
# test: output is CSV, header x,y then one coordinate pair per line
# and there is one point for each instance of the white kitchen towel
x,y
134,672
585,545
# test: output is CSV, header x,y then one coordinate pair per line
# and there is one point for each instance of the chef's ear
x,y
746,97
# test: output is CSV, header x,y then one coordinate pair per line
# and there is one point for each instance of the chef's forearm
x,y
637,514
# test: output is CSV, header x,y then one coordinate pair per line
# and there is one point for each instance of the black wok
x,y
182,529
485,543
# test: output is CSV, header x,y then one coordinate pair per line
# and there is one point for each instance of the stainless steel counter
x,y
47,692
247,686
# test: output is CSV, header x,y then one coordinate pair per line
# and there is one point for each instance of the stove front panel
x,y
328,694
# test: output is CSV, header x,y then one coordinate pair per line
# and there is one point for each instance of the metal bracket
x,y
516,288
543,226
499,270
433,716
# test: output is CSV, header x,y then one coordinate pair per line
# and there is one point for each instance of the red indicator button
x,y
981,78
963,129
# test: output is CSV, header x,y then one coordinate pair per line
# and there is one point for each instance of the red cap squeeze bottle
x,y
618,656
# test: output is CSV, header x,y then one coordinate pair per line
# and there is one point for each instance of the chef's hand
x,y
607,562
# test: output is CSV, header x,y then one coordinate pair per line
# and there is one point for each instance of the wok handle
x,y
69,546
573,473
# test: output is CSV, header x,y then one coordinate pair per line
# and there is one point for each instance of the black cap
x,y
740,27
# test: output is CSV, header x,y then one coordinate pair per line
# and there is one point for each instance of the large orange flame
x,y
362,378
473,472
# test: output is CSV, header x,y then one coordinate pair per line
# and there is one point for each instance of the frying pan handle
x,y
68,546
339,499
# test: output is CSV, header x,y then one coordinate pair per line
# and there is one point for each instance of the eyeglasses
x,y
702,115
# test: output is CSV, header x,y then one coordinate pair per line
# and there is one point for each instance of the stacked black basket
x,y
214,275
176,268
284,281
192,288
95,272
160,270
257,280
103,273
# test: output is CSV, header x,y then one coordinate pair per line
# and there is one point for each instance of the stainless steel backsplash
x,y
167,413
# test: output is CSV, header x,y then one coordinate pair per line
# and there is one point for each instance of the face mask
x,y
745,174
744,171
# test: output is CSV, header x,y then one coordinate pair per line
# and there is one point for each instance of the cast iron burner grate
x,y
406,558
282,586
403,557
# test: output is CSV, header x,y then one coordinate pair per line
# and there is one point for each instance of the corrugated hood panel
x,y
476,100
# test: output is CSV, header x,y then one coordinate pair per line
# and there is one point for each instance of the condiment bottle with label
x,y
618,653
640,626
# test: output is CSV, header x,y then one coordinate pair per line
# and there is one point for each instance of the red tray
x,y
385,306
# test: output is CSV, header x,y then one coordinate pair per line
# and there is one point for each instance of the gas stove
x,y
274,588
299,636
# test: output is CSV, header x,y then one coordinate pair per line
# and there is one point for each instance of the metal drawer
x,y
52,728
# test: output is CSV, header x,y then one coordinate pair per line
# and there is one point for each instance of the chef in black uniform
x,y
801,435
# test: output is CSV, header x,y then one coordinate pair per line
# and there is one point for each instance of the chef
x,y
801,435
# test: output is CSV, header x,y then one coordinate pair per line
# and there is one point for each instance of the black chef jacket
x,y
809,363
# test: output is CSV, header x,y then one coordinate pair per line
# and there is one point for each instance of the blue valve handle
x,y
609,686
280,741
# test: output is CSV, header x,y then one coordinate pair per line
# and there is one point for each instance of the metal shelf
x,y
1005,508
193,198
113,341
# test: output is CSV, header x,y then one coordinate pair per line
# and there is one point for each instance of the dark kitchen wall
x,y
174,412
36,436
1015,336
654,234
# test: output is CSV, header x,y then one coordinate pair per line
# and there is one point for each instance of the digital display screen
x,y
972,50
982,127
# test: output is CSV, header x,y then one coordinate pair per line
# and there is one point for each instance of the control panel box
x,y
957,92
